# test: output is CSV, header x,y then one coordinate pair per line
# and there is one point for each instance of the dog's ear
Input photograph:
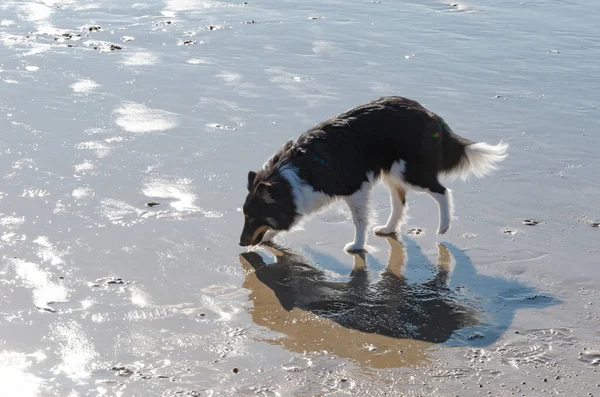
x,y
264,190
251,178
264,185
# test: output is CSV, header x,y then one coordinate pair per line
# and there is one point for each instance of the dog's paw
x,y
384,231
354,247
442,231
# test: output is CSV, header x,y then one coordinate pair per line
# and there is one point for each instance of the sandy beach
x,y
126,133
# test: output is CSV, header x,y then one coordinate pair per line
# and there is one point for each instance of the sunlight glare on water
x,y
127,130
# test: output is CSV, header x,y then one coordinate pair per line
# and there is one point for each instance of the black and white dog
x,y
393,139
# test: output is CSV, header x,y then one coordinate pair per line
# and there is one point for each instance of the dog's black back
x,y
339,154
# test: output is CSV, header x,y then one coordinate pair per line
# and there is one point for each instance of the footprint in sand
x,y
415,232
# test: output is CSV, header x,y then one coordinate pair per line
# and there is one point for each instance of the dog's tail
x,y
463,158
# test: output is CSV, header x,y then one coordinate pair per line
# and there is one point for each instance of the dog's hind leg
x,y
398,204
443,198
359,206
427,181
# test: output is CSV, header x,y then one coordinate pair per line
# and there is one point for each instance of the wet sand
x,y
127,132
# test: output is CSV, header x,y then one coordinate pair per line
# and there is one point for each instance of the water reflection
x,y
383,321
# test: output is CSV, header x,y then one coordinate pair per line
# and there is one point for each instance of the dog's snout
x,y
245,240
246,235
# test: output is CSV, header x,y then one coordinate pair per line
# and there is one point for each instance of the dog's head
x,y
269,206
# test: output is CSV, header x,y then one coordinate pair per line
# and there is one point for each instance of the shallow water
x,y
172,102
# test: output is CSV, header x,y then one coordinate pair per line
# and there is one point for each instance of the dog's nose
x,y
244,243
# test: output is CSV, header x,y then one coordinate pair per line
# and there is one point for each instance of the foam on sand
x,y
143,58
140,119
84,86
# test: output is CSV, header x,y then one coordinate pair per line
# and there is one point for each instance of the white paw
x,y
442,230
384,230
354,247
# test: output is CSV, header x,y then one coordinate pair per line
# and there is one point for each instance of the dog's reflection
x,y
385,322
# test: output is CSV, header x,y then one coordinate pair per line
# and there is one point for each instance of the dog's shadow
x,y
364,318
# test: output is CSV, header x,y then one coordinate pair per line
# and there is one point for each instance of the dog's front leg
x,y
269,236
359,207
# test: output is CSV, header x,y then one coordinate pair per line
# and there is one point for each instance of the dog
x,y
392,139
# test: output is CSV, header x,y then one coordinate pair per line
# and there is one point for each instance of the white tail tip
x,y
480,159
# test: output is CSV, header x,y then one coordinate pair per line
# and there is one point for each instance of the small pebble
x,y
475,335
531,222
115,281
46,309
122,371
235,370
